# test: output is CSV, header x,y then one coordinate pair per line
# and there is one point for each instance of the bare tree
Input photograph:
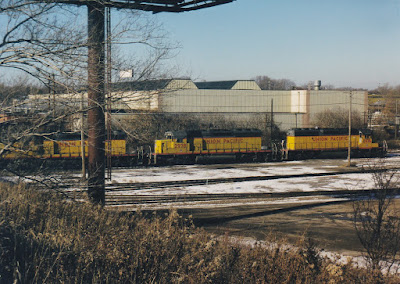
x,y
48,42
377,220
42,40
337,118
391,98
267,83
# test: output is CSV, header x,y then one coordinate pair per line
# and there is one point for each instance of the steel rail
x,y
182,183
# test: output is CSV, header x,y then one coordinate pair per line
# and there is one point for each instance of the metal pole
x,y
298,107
272,116
349,149
266,129
54,94
96,98
83,142
108,90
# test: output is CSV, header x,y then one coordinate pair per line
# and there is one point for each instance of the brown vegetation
x,y
389,101
46,239
144,128
377,222
337,118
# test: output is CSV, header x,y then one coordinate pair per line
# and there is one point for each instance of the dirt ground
x,y
330,226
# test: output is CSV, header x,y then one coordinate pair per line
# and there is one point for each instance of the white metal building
x,y
237,100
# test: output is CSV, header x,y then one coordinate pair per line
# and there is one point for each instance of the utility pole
x,y
349,149
96,100
396,124
96,73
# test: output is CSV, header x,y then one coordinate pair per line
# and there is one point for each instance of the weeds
x,y
46,239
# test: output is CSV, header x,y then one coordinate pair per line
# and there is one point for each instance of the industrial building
x,y
237,100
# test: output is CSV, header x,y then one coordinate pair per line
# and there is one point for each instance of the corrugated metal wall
x,y
223,101
323,100
291,108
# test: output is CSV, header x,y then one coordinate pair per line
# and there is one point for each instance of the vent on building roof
x,y
317,85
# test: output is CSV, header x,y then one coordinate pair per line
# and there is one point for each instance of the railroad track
x,y
118,194
127,199
183,183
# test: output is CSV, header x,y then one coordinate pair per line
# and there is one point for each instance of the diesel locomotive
x,y
191,146
315,142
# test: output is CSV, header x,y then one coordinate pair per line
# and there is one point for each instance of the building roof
x,y
216,85
229,85
147,85
154,85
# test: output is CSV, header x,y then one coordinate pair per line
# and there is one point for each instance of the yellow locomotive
x,y
312,142
188,146
69,146
58,146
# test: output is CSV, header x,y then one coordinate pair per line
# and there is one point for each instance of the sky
x,y
345,43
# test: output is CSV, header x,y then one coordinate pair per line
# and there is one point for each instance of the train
x,y
245,145
195,146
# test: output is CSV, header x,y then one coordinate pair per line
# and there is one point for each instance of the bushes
x,y
44,238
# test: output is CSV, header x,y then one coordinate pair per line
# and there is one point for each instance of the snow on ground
x,y
341,182
295,184
184,172
193,172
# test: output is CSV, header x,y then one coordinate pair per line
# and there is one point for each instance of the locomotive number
x,y
180,145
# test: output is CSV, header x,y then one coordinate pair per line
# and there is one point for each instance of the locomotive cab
x,y
365,140
175,142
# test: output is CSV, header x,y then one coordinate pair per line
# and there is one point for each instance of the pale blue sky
x,y
341,42
352,43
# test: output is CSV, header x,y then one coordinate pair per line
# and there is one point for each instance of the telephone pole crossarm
x,y
155,6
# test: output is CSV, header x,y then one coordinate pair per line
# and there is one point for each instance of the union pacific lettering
x,y
224,140
68,144
329,138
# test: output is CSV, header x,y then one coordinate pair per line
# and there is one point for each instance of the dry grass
x,y
46,239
